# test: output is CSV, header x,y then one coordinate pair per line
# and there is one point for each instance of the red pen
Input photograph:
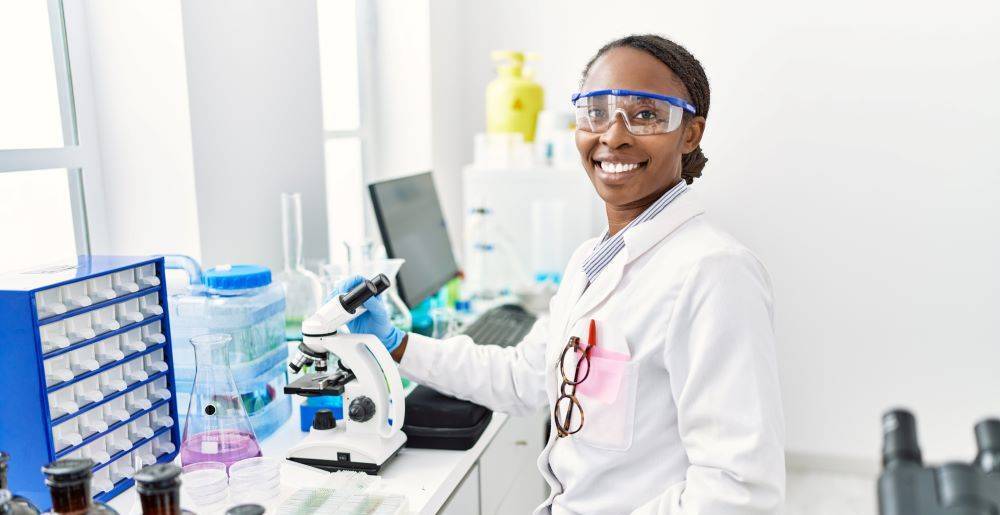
x,y
592,337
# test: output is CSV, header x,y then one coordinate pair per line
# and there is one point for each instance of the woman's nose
x,y
617,134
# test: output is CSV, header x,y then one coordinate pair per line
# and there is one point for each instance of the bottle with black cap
x,y
246,509
16,503
69,485
159,488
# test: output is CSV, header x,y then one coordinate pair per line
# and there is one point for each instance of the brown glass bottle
x,y
16,503
159,488
69,486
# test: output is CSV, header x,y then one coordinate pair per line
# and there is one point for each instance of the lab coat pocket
x,y
607,397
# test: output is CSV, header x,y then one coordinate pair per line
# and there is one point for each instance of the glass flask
x,y
399,314
217,427
69,485
14,503
303,290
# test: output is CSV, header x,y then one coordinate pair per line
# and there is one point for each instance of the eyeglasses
x,y
643,113
567,405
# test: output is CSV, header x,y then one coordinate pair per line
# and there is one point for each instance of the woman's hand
x,y
375,319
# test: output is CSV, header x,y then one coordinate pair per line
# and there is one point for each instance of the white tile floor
x,y
830,493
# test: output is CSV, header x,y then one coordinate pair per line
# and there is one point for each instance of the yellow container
x,y
513,99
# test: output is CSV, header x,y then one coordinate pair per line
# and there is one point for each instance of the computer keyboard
x,y
504,325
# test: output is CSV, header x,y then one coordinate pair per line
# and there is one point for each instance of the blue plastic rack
x,y
87,371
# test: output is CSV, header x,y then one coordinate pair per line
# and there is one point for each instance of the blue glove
x,y
375,319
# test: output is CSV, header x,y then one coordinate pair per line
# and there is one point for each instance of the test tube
x,y
109,350
157,390
152,335
115,412
154,362
136,401
149,305
124,282
143,456
122,469
53,336
100,288
139,430
101,481
162,445
67,434
128,312
134,373
117,441
57,370
161,418
75,295
146,276
49,303
112,381
88,391
78,328
92,422
103,320
83,360
132,342
62,402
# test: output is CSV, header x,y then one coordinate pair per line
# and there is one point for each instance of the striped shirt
x,y
609,247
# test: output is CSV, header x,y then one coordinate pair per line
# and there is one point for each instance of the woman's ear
x,y
693,131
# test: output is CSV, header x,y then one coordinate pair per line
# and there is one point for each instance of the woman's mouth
x,y
613,172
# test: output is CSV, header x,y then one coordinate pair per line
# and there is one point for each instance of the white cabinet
x,y
509,479
465,499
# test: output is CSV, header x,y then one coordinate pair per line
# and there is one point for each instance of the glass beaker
x,y
303,290
217,427
399,314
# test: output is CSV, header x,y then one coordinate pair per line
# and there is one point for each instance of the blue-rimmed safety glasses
x,y
644,113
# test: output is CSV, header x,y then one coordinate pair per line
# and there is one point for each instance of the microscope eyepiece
x,y
988,445
899,439
368,288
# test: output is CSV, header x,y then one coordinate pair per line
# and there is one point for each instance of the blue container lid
x,y
237,277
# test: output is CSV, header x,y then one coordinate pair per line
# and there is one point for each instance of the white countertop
x,y
426,477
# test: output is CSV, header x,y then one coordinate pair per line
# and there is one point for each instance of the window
x,y
347,129
43,165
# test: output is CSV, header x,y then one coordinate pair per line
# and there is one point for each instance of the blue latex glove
x,y
375,319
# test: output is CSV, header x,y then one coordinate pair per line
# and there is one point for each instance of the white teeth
x,y
610,167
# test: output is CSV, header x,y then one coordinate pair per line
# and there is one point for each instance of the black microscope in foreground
x,y
907,487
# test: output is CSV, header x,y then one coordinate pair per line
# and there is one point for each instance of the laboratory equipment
x,y
217,427
412,226
69,487
907,487
205,483
242,301
303,290
246,509
503,325
345,492
15,503
399,314
159,488
513,98
644,113
254,480
493,266
79,386
8,506
366,377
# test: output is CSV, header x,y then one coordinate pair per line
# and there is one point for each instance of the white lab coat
x,y
692,422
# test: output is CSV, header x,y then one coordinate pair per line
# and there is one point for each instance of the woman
x,y
676,407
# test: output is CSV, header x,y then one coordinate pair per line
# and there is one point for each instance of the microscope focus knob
x,y
323,420
362,409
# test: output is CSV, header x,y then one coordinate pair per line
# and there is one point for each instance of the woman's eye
x,y
596,113
646,115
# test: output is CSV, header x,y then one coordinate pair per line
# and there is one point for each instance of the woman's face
x,y
658,155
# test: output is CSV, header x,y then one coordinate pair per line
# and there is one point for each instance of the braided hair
x,y
687,69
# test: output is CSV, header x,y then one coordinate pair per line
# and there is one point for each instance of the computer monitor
x,y
412,225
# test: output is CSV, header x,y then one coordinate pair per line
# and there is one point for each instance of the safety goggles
x,y
644,113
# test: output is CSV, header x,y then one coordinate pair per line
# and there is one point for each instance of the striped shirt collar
x,y
609,247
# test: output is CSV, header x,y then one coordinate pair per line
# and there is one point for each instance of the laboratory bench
x,y
496,476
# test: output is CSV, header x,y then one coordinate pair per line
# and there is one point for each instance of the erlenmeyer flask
x,y
399,314
217,427
303,290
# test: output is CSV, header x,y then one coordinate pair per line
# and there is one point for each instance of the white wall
x,y
852,147
141,109
256,124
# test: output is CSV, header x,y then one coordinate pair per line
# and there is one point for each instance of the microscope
x,y
365,376
907,487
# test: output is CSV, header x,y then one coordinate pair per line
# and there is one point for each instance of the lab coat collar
x,y
638,240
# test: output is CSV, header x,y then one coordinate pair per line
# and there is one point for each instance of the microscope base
x,y
333,450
